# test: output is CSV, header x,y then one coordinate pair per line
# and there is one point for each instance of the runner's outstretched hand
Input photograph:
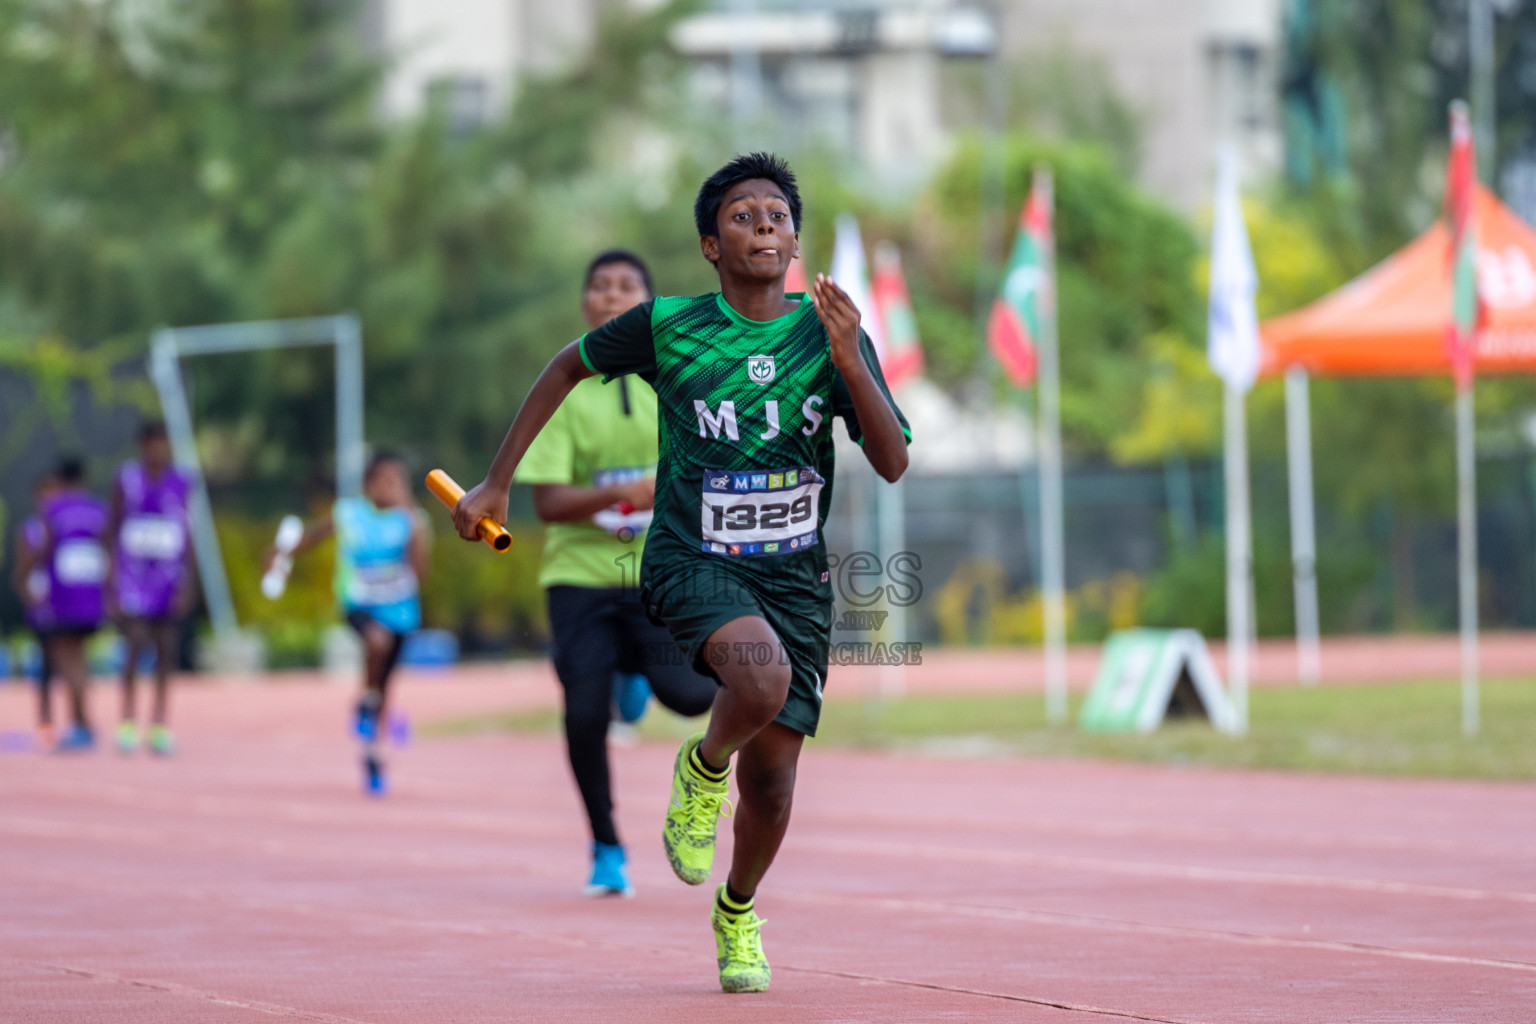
x,y
840,317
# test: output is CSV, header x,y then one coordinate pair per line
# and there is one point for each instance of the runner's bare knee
x,y
378,640
760,688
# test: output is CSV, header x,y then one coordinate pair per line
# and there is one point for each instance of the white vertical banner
x,y
1232,345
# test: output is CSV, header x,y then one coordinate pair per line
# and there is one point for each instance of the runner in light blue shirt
x,y
382,547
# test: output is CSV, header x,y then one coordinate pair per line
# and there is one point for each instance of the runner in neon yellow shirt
x,y
593,469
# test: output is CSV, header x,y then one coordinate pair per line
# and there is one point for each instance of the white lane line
x,y
142,836
489,929
187,992
988,994
513,821
319,850
1150,869
547,822
1025,825
512,824
941,908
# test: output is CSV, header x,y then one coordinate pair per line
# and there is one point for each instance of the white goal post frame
x,y
171,344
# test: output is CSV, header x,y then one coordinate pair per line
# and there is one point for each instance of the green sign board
x,y
1150,674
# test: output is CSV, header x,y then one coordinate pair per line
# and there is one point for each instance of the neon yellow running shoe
x,y
695,809
127,737
739,950
161,741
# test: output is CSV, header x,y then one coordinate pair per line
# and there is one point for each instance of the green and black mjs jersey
x,y
746,455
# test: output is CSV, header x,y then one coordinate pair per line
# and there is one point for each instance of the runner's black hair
x,y
706,208
612,256
152,430
380,458
70,470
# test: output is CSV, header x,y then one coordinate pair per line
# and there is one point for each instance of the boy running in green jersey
x,y
747,381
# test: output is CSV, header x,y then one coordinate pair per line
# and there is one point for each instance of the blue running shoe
x,y
631,695
77,739
610,876
374,782
365,721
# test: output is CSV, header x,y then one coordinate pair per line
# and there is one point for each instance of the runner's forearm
x,y
314,533
569,503
885,446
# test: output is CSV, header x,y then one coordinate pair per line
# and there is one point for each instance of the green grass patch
x,y
547,720
1409,728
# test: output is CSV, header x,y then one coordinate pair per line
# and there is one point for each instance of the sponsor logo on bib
x,y
760,369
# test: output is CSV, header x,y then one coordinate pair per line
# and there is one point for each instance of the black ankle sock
x,y
732,902
704,768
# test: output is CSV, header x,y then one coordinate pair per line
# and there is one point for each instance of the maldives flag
x,y
1018,312
1466,308
903,349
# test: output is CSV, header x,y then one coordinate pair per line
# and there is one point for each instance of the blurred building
x,y
857,75
1200,73
470,53
867,76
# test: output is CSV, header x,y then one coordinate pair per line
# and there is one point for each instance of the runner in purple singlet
x,y
149,590
74,552
30,581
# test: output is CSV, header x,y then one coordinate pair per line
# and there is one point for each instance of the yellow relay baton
x,y
449,493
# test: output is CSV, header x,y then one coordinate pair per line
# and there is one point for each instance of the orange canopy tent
x,y
1392,319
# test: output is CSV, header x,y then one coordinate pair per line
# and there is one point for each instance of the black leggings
x,y
598,632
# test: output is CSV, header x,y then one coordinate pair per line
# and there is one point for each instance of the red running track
x,y
246,880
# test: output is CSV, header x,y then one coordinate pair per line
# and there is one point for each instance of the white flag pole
x,y
1460,176
1239,551
891,532
1233,347
1298,450
1052,527
1466,552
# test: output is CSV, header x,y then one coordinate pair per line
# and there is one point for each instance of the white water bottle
x,y
289,532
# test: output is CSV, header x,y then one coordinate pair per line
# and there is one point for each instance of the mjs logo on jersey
x,y
760,369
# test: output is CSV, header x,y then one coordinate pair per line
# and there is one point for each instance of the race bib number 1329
x,y
759,512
